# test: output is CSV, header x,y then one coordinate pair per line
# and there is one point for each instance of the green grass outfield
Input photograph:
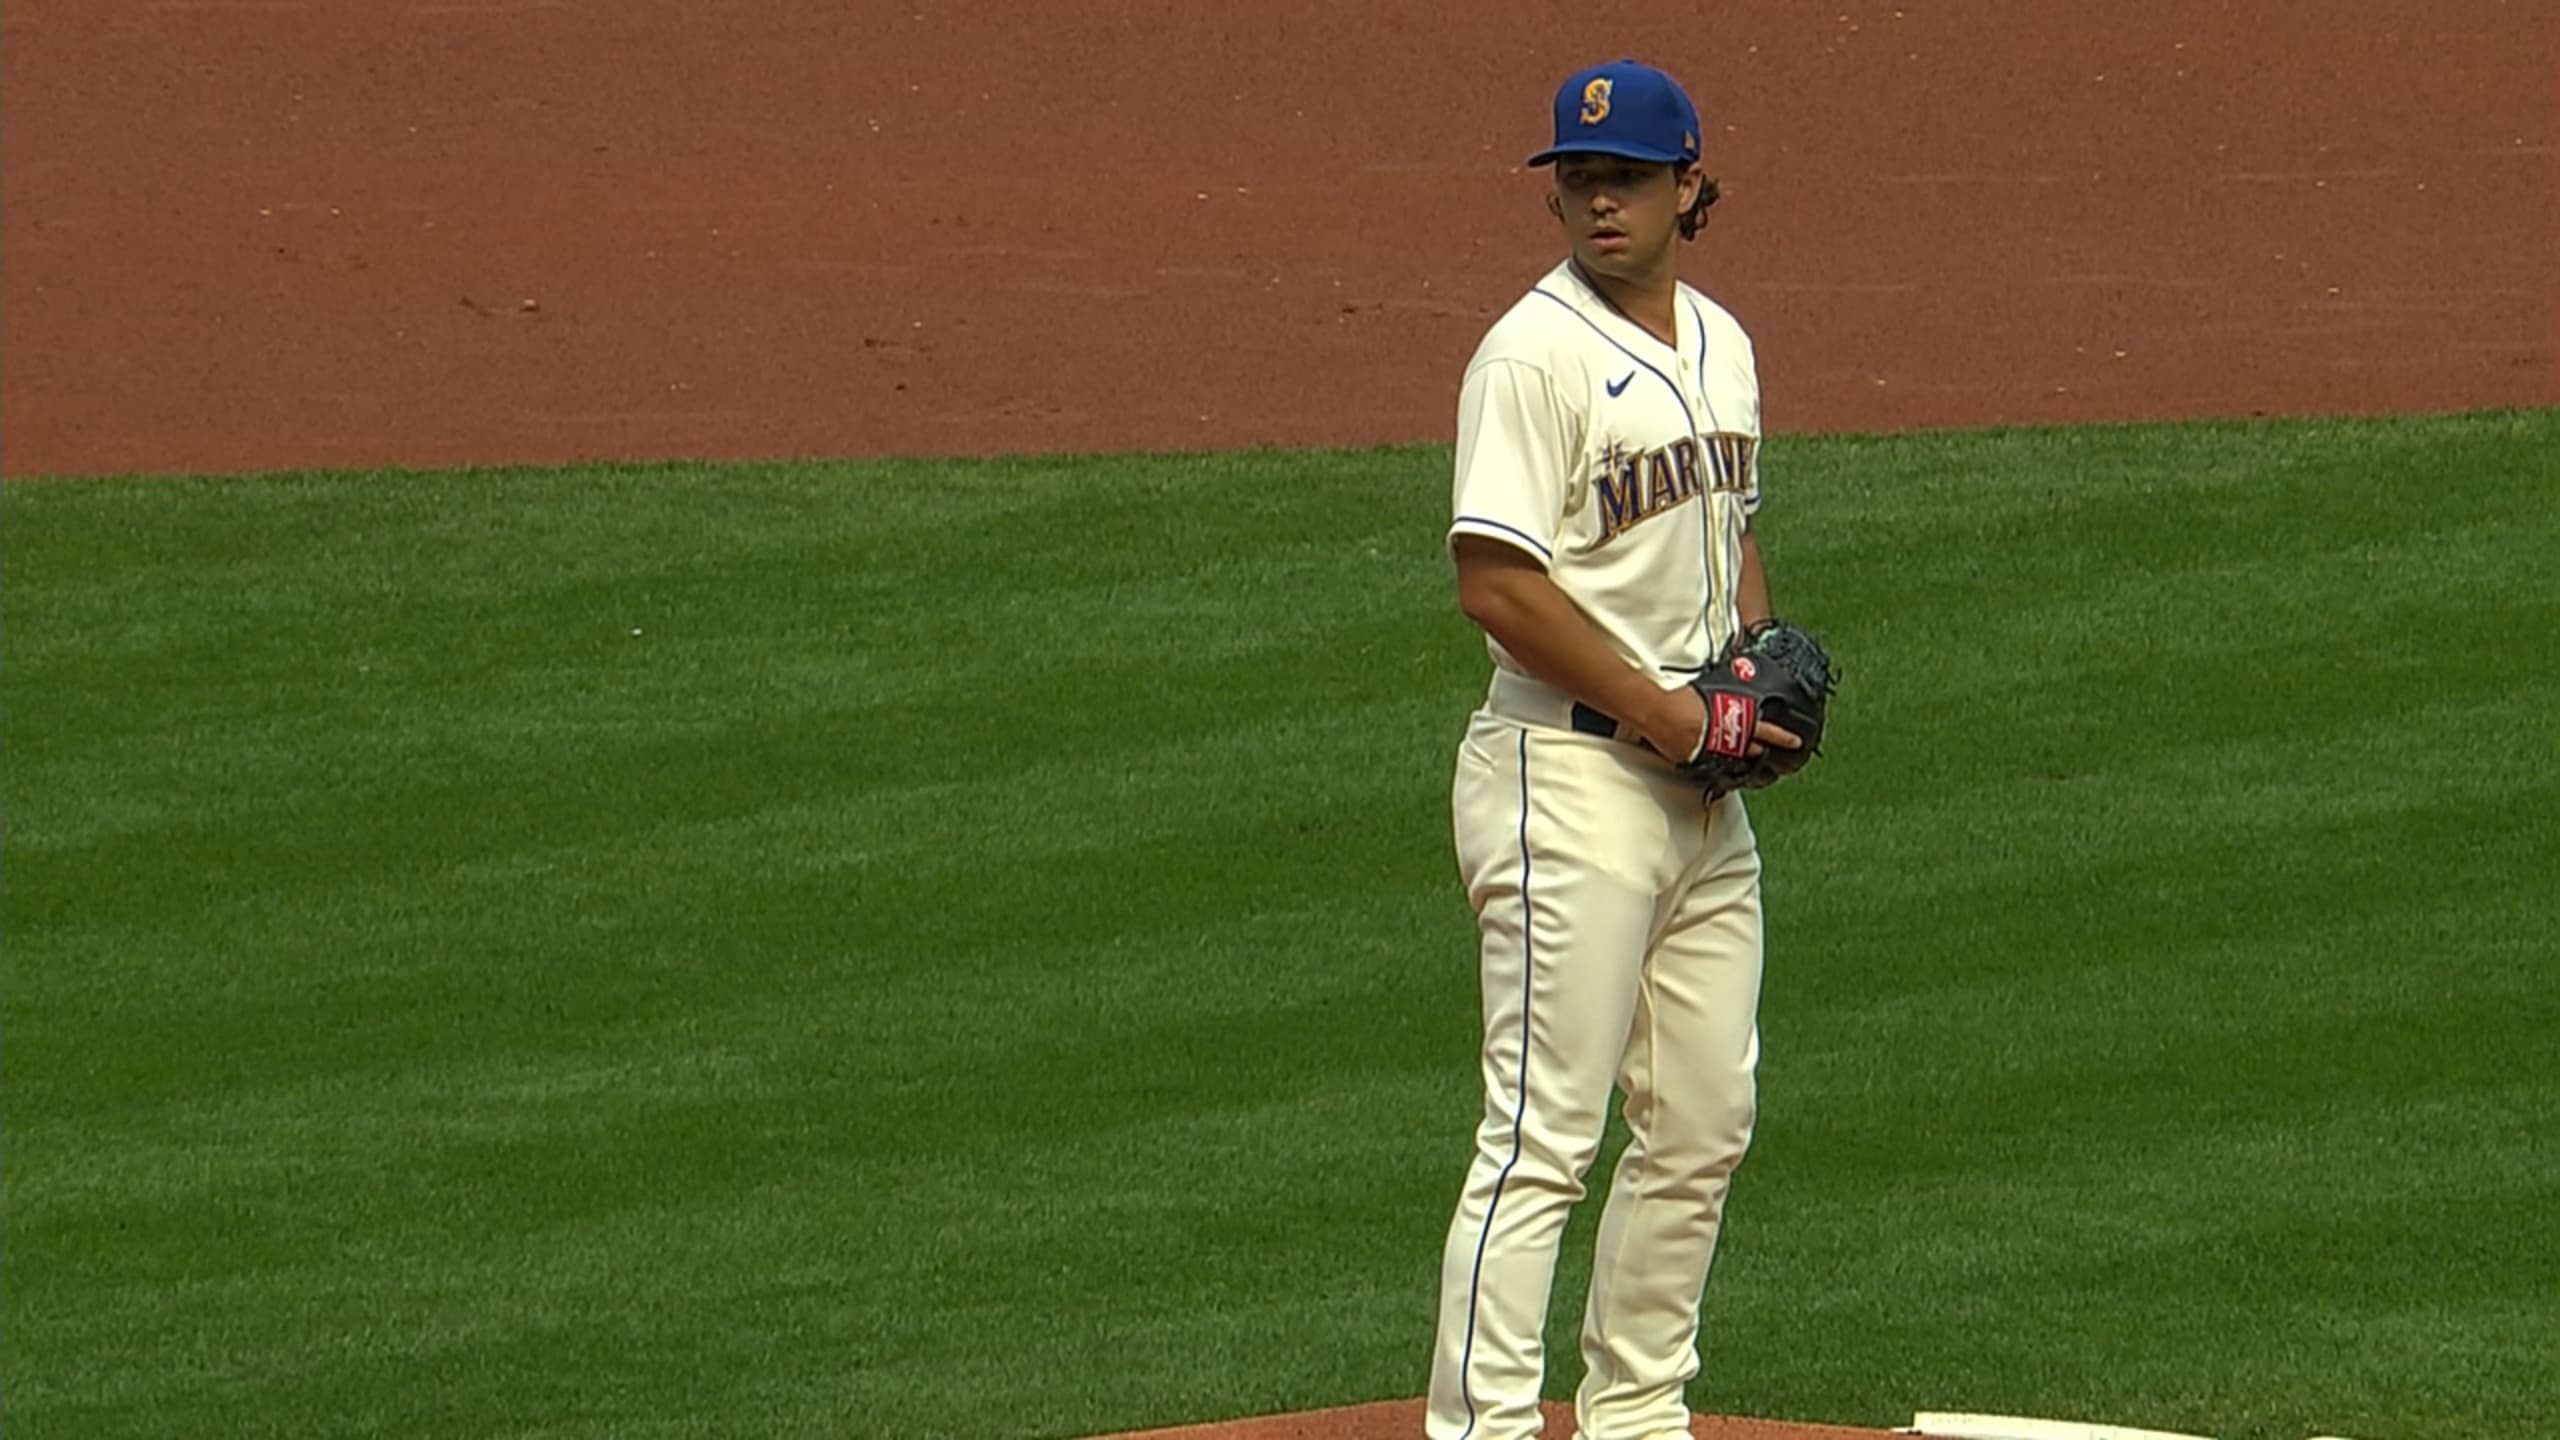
x,y
972,950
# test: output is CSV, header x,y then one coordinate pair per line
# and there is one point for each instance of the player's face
x,y
1621,216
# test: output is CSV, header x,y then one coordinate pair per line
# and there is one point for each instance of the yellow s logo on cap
x,y
1595,102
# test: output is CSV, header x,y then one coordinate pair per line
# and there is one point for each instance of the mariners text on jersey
x,y
1635,488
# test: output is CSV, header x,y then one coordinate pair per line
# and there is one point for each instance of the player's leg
x,y
1544,828
1691,1101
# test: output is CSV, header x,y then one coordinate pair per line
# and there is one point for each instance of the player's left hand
x,y
1766,700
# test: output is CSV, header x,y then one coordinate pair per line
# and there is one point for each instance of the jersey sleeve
x,y
1512,458
1751,481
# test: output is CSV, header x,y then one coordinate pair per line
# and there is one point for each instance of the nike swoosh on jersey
x,y
1619,386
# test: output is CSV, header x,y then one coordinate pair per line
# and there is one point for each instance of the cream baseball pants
x,y
1621,946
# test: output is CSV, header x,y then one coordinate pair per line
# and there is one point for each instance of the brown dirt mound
x,y
1402,1420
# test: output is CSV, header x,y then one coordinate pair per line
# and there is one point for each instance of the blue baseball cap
x,y
1623,108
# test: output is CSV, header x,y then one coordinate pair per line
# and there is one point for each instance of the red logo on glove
x,y
1743,669
1730,723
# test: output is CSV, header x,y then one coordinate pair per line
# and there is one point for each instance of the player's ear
x,y
1555,207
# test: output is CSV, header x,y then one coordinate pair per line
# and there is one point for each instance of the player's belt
x,y
1592,722
1527,701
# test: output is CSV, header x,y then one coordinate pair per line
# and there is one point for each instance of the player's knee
x,y
1559,1168
1706,1143
1546,1158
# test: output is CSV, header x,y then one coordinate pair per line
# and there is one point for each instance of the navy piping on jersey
x,y
1749,504
1576,312
1701,322
1706,531
1525,537
1519,1111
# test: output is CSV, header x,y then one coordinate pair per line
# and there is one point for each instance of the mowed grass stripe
x,y
984,958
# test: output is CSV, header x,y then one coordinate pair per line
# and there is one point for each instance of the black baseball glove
x,y
1774,672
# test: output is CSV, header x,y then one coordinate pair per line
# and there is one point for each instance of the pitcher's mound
x,y
1402,1420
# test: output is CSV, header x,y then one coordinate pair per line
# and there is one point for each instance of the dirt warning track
x,y
244,235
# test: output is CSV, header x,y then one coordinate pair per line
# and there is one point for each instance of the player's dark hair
x,y
1694,219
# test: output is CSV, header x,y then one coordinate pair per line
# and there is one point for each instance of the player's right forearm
x,y
1541,628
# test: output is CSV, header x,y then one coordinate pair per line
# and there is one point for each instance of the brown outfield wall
x,y
245,234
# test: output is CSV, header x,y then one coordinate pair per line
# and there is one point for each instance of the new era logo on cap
x,y
1624,108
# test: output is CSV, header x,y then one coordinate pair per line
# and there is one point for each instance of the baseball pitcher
x,y
1607,472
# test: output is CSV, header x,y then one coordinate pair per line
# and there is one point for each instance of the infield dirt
x,y
244,236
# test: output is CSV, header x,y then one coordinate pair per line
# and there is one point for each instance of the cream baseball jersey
x,y
1627,467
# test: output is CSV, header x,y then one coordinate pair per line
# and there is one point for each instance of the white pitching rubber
x,y
1947,1425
